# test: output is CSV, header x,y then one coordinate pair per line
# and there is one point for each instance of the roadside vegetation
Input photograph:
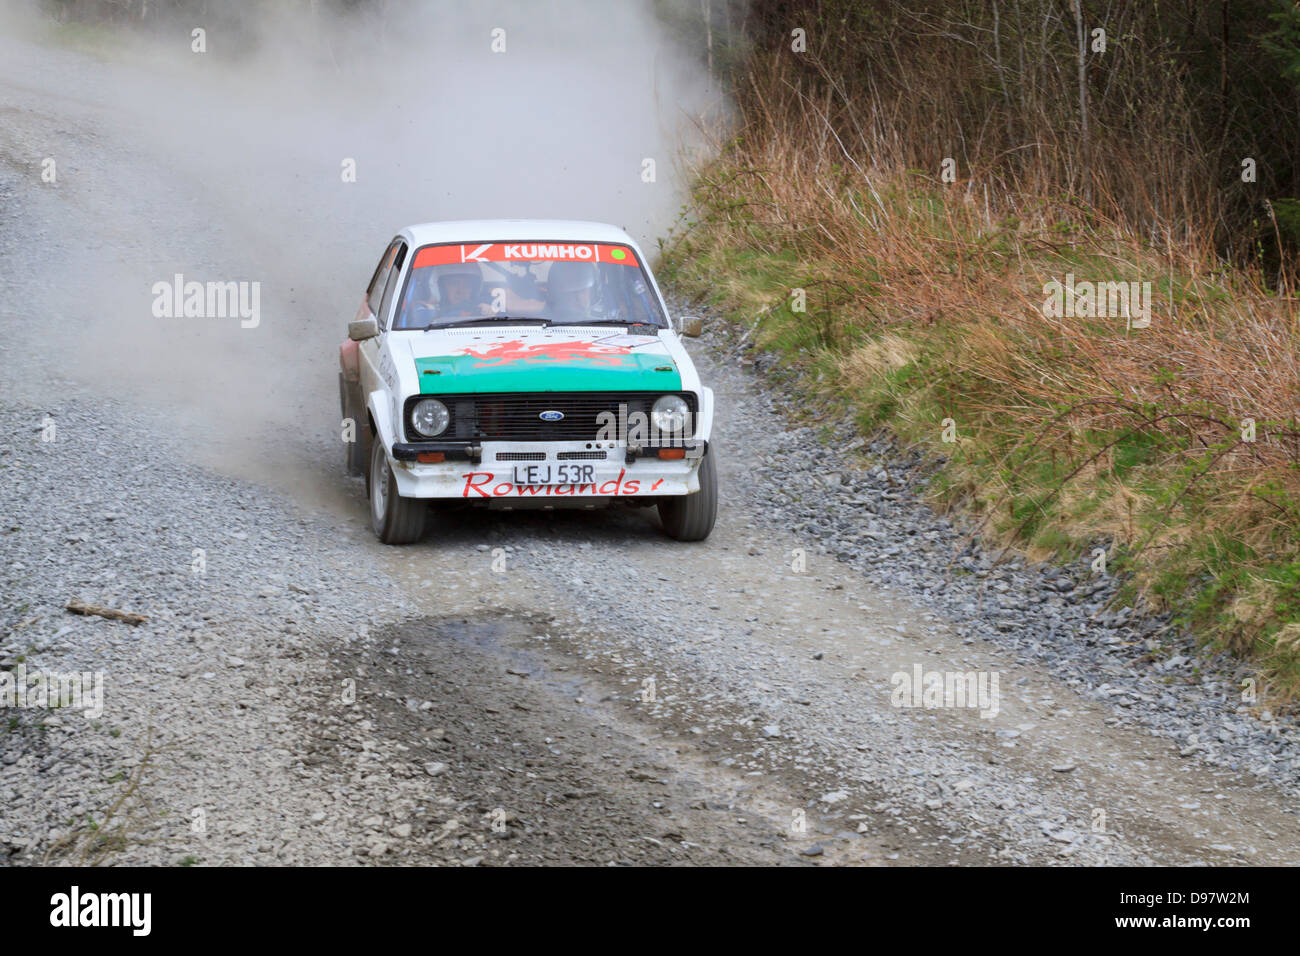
x,y
914,292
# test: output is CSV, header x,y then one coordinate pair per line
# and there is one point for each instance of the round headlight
x,y
670,413
430,417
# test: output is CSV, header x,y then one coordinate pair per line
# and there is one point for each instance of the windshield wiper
x,y
485,319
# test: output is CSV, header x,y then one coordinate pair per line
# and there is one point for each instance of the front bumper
x,y
486,471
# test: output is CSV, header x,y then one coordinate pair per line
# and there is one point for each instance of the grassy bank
x,y
920,306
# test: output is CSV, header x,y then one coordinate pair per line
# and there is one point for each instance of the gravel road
x,y
517,688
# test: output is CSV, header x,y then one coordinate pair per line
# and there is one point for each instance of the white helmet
x,y
570,277
467,270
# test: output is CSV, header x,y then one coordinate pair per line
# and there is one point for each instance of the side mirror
x,y
363,329
690,326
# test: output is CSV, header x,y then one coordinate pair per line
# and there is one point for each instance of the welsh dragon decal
x,y
504,353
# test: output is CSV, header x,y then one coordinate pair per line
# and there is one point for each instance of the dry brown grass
x,y
1073,429
885,354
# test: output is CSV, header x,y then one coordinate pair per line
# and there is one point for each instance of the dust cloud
x,y
229,166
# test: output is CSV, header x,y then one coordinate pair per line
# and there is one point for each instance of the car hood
x,y
537,359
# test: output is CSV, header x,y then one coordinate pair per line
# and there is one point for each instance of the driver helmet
x,y
570,277
467,270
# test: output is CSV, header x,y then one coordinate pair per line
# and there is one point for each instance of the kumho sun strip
x,y
598,252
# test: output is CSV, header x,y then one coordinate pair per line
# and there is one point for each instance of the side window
x,y
379,280
391,285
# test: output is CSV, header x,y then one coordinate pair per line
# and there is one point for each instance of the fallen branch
x,y
76,607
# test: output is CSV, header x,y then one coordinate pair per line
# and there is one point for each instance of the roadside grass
x,y
924,313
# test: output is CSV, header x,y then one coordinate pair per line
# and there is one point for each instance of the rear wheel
x,y
396,520
691,517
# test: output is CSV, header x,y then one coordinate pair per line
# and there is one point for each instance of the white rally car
x,y
523,363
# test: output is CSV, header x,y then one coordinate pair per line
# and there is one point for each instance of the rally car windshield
x,y
562,283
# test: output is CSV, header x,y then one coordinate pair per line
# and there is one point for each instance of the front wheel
x,y
691,517
396,520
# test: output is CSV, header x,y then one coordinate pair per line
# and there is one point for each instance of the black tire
x,y
396,520
691,517
356,453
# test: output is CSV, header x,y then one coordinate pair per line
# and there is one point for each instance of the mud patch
x,y
520,762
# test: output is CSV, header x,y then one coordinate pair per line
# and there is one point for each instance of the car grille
x,y
515,417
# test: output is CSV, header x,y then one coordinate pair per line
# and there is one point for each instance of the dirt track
x,y
770,737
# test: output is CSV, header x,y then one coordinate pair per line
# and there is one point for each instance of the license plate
x,y
563,474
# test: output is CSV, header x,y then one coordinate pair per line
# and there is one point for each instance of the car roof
x,y
516,230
